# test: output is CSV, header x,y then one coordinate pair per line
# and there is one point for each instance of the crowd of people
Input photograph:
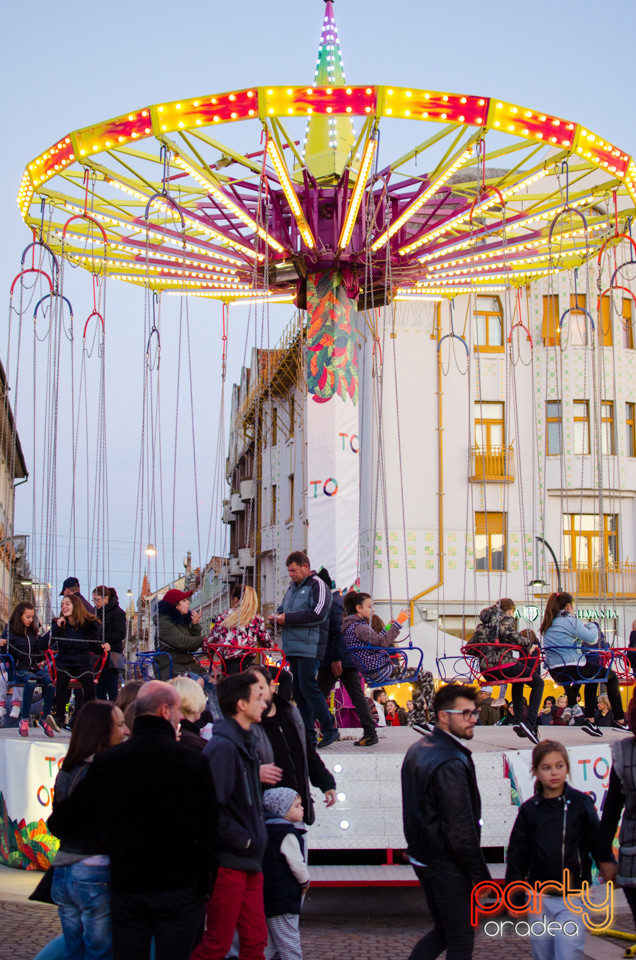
x,y
241,756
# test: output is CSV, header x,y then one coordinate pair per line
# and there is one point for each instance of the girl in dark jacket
x,y
113,631
77,635
27,650
557,829
81,875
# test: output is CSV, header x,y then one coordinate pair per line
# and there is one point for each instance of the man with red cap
x,y
179,634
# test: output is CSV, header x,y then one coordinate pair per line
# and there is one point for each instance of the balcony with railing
x,y
592,580
492,465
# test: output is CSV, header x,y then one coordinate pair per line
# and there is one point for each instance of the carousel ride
x,y
291,194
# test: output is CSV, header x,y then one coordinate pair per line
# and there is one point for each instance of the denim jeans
x,y
32,679
82,894
309,699
558,945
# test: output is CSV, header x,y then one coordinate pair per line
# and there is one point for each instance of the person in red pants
x,y
236,903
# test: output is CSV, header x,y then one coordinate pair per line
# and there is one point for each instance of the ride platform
x,y
360,841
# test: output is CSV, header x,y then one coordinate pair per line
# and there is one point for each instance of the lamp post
x,y
150,552
556,564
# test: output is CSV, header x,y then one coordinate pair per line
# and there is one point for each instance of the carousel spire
x,y
328,140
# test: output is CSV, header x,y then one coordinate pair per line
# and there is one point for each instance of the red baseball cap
x,y
176,596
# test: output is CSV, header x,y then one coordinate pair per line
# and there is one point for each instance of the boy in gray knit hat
x,y
285,873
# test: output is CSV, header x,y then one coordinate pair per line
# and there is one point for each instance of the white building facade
x,y
481,427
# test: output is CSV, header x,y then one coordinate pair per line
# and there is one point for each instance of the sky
x,y
71,64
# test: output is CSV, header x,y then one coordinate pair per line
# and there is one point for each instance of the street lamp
x,y
150,550
556,564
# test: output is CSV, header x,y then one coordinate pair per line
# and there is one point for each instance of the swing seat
x,y
624,664
153,665
455,669
592,666
378,665
99,662
266,656
520,669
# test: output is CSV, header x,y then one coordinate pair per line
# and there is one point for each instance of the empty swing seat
x,y
153,665
624,664
458,668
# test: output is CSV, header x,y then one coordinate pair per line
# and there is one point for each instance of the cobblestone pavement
x,y
27,927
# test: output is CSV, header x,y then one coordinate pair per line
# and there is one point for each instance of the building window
x,y
292,415
490,541
628,330
630,424
605,333
489,425
581,427
584,537
291,498
554,428
274,503
576,320
489,325
607,427
550,326
274,426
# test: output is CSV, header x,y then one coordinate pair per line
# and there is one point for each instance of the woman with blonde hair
x,y
239,629
193,703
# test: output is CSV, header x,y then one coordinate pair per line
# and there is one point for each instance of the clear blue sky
x,y
68,65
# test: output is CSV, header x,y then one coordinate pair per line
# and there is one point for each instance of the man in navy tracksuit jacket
x,y
305,605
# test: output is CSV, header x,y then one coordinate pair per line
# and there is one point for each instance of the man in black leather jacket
x,y
442,823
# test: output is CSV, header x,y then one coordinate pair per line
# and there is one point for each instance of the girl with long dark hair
x,y
77,635
81,875
27,649
557,829
565,642
113,631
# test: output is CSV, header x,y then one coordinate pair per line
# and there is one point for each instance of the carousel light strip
x,y
132,265
159,204
422,199
452,291
490,201
225,201
542,216
358,191
150,254
290,194
154,232
517,261
240,291
432,281
510,248
215,296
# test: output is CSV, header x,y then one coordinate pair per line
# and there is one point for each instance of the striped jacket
x,y
305,605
